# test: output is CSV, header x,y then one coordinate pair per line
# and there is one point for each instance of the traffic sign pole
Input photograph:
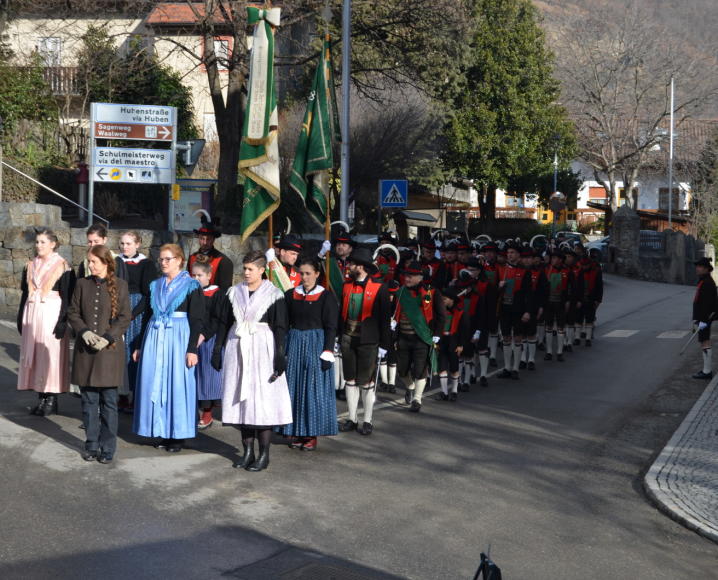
x,y
171,200
91,185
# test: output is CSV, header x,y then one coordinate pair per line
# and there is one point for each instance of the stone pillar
x,y
625,241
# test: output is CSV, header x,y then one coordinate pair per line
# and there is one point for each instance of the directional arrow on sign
x,y
165,132
101,173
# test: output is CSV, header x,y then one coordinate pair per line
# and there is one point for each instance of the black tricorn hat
x,y
413,268
706,263
361,256
289,242
344,239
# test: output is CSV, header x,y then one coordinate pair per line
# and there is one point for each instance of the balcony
x,y
62,80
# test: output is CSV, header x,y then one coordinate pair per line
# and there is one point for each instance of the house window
x,y
663,199
572,216
544,216
222,51
50,50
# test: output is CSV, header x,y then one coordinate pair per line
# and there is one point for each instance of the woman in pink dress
x,y
47,284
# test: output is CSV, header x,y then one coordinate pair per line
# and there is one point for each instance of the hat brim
x,y
214,233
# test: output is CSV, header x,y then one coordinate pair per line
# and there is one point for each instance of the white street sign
x,y
142,114
121,165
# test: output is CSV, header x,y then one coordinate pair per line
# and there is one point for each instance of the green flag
x,y
314,159
259,153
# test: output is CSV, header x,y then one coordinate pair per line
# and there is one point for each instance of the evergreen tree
x,y
506,123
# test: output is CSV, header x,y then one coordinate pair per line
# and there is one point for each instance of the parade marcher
x,y
99,314
222,265
432,265
538,290
516,305
574,303
364,332
209,380
287,253
140,272
492,273
337,274
387,258
255,396
559,292
166,391
591,284
418,317
451,266
313,317
387,365
540,263
705,308
481,302
455,335
46,285
97,236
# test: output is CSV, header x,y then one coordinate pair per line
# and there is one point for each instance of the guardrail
x,y
58,194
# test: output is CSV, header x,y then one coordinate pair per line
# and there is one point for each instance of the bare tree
x,y
616,75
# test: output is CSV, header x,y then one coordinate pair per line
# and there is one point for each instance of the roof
x,y
175,14
416,216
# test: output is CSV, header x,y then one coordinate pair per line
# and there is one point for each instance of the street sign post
x,y
117,121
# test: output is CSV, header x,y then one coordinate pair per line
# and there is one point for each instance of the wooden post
x,y
271,230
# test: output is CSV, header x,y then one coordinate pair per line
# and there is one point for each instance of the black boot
x,y
40,407
248,457
265,437
50,406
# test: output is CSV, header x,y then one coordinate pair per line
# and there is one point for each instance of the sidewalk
x,y
683,480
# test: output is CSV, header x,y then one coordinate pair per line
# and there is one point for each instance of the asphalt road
x,y
546,471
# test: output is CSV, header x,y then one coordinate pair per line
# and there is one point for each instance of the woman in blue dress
x,y
166,390
313,317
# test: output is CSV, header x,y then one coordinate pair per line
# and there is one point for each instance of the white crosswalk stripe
x,y
673,334
620,333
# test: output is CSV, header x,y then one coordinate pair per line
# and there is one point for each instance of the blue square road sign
x,y
393,192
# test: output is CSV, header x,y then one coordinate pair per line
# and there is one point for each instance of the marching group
x,y
274,351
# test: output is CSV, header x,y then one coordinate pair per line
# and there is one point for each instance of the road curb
x,y
682,468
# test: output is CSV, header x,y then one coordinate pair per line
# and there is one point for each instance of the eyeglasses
x,y
161,260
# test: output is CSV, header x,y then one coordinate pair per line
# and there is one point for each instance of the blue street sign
x,y
393,192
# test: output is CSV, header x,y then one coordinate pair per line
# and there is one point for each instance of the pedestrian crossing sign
x,y
393,192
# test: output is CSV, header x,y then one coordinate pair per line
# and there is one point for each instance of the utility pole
x,y
670,166
346,78
1,138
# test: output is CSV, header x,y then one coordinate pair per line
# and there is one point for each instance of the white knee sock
x,y
589,331
419,391
352,401
569,334
507,356
532,350
517,355
454,384
368,396
707,360
462,371
383,372
408,383
561,341
444,381
541,332
392,375
493,345
470,369
525,351
549,341
484,362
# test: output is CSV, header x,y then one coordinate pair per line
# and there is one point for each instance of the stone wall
x,y
17,236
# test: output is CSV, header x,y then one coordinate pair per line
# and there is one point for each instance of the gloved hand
x,y
326,246
216,361
702,325
435,339
392,325
90,338
280,364
476,337
101,343
438,243
327,360
382,352
60,330
270,254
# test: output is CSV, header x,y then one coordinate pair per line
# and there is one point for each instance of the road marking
x,y
396,403
620,333
673,334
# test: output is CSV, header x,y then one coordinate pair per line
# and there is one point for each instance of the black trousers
x,y
358,360
99,413
448,359
412,355
588,312
555,312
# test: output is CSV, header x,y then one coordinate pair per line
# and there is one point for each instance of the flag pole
x,y
271,229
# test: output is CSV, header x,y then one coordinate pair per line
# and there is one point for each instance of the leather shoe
x,y
484,382
515,375
259,465
504,374
408,396
105,458
441,397
89,455
161,444
341,395
702,375
559,357
310,444
453,397
347,425
415,407
532,365
493,363
547,356
366,429
247,459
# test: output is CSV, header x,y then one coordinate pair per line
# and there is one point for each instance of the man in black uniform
x,y
419,319
222,266
364,331
515,299
705,304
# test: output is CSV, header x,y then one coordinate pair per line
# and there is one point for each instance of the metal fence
x,y
652,241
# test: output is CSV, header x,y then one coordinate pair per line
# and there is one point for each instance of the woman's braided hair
x,y
105,256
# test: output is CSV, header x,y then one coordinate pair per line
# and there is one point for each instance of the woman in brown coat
x,y
99,315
